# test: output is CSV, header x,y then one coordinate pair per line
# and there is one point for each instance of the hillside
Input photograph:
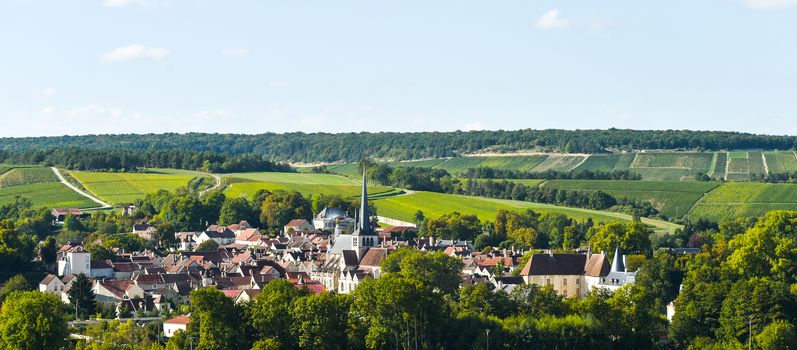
x,y
349,147
40,185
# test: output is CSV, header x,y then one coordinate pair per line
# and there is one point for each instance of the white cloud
x,y
473,126
553,20
133,52
235,52
770,4
46,111
125,3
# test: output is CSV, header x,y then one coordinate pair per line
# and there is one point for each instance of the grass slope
x,y
559,163
25,176
735,199
781,162
127,187
46,194
247,184
607,162
671,198
459,164
437,204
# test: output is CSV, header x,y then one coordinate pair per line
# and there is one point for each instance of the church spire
x,y
365,216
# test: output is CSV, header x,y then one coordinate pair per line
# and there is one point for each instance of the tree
x,y
33,321
267,344
215,318
319,321
48,250
14,284
81,295
73,224
208,246
281,207
779,334
419,218
236,209
435,269
164,235
271,311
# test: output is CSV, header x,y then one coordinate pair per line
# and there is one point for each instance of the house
x,y
187,240
74,261
298,225
51,284
60,214
145,231
112,291
596,269
564,272
179,323
618,276
221,234
329,218
101,269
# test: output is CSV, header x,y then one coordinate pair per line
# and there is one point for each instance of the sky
x,y
75,67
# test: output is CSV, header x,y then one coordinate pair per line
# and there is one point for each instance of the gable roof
x,y
373,257
597,266
555,264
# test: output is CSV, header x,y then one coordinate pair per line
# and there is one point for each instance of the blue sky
x,y
251,66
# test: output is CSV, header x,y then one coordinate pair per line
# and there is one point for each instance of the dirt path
x,y
217,185
103,205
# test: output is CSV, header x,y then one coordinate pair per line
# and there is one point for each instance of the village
x,y
331,253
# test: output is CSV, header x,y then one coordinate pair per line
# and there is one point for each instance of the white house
x,y
51,284
75,261
171,326
221,234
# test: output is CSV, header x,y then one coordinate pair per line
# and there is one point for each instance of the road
x,y
218,184
103,205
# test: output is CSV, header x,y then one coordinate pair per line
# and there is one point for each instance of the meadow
x,y
607,162
559,163
247,184
24,176
781,162
671,198
745,199
434,205
524,163
46,194
119,188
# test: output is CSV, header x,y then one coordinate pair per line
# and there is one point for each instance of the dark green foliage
x,y
496,173
33,321
81,296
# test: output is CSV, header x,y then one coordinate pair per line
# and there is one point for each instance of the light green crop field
x,y
781,162
247,184
26,176
127,187
738,154
607,162
349,170
523,163
46,194
719,163
527,182
425,163
662,174
559,163
697,161
738,199
434,205
671,198
756,163
297,178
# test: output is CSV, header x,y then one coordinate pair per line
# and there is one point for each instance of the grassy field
x,y
662,174
25,176
246,184
671,198
699,161
436,204
127,187
781,162
756,163
735,199
46,194
607,162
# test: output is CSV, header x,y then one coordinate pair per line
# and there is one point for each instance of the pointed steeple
x,y
617,264
365,216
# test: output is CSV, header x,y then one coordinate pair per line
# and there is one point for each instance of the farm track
x,y
103,205
217,178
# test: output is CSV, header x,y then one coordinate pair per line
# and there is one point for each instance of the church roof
x,y
364,225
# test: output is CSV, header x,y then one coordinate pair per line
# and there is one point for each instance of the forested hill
x,y
325,147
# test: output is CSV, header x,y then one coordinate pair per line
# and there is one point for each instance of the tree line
x,y
136,160
351,147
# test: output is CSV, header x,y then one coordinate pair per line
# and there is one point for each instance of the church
x,y
354,256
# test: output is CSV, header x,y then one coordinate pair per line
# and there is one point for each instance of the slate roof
x,y
555,264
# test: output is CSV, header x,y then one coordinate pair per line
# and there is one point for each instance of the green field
x,y
559,163
781,162
719,163
756,163
671,198
246,184
460,164
25,176
662,174
607,162
46,194
436,204
127,187
737,154
735,199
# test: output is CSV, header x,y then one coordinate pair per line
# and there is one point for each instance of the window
x,y
578,281
564,281
548,281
